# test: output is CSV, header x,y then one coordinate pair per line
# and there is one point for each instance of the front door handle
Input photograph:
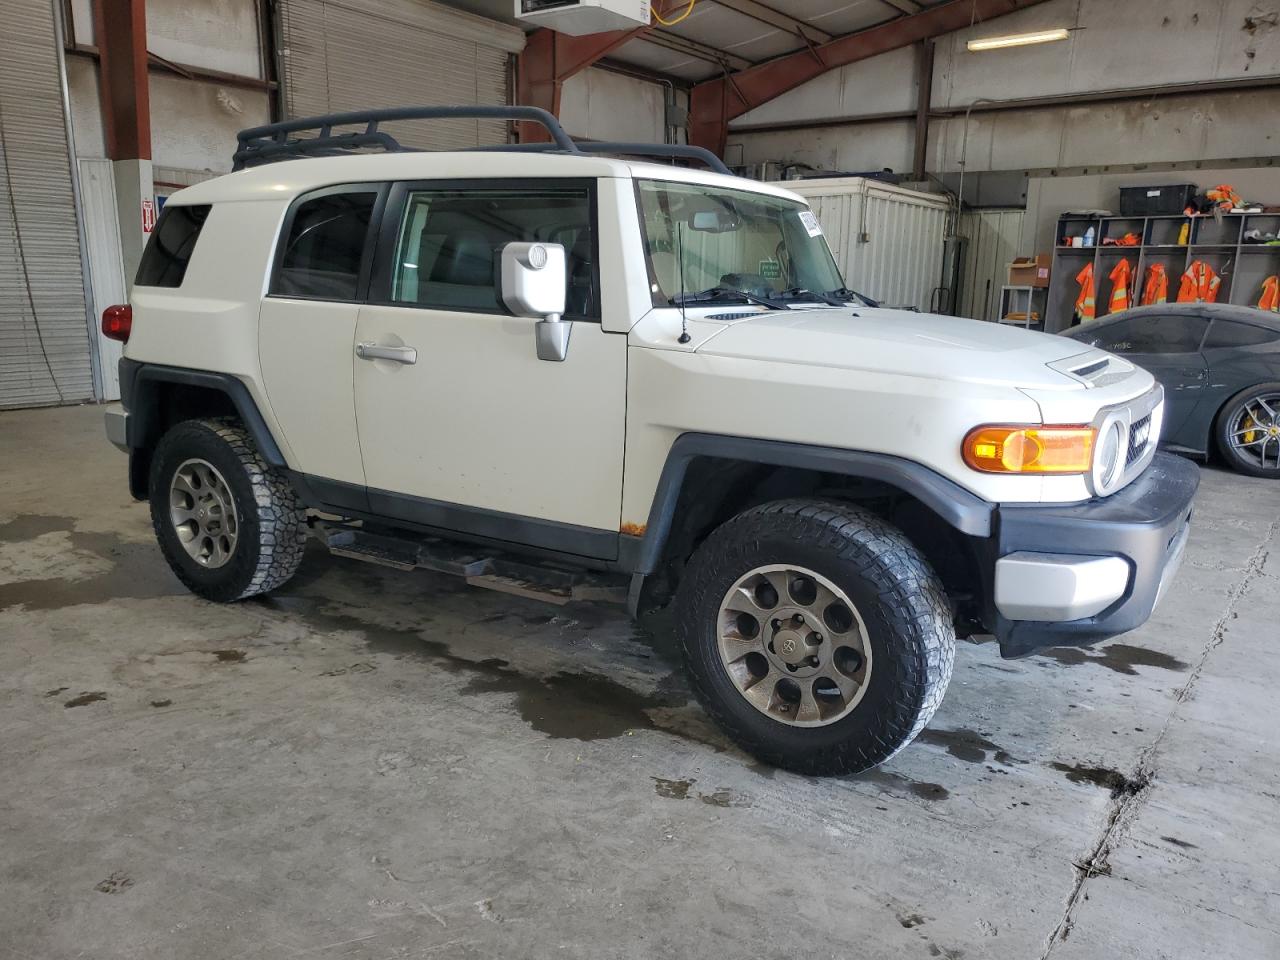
x,y
373,351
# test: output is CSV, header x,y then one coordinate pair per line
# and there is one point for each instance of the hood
x,y
927,345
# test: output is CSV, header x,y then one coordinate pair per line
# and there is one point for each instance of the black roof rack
x,y
278,141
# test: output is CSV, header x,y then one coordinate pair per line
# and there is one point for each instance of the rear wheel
x,y
816,635
1248,431
228,523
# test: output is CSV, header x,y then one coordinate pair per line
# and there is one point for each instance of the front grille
x,y
1139,438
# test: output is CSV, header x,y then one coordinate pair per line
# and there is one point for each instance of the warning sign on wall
x,y
148,215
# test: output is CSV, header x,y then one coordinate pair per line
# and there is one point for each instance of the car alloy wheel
x,y
203,513
1254,431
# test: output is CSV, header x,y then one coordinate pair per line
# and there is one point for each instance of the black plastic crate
x,y
1155,201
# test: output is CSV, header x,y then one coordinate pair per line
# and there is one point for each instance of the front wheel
x,y
228,523
816,635
1248,431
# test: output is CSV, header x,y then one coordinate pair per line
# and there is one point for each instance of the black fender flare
x,y
965,511
138,382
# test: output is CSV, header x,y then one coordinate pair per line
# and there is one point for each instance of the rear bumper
x,y
117,423
1074,575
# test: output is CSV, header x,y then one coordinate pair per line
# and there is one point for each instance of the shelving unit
x,y
1218,242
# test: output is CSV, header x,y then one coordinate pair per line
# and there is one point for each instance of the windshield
x,y
726,243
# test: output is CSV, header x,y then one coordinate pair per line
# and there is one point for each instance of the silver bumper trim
x,y
1050,587
117,423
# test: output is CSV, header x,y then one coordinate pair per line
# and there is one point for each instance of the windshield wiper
x,y
802,293
845,295
723,294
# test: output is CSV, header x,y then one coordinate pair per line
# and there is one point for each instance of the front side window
x,y
449,250
325,246
702,239
1150,333
164,262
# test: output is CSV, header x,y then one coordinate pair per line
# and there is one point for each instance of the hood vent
x,y
1094,369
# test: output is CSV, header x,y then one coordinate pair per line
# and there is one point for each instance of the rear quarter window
x,y
326,244
1225,334
164,261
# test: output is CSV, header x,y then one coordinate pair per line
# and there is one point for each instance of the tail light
x,y
117,321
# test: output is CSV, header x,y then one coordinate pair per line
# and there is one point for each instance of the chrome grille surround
x,y
1140,419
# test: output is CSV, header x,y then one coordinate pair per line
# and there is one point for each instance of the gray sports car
x,y
1220,366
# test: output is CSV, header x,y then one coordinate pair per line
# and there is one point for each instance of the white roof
x,y
287,178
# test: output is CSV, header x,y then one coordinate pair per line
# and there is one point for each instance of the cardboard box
x,y
1030,271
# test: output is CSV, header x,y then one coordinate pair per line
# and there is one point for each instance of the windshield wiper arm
x,y
844,295
797,293
717,294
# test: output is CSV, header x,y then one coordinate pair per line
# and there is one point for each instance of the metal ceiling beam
x,y
699,51
904,6
776,18
714,103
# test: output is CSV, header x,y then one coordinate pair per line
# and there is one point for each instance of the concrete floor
x,y
381,765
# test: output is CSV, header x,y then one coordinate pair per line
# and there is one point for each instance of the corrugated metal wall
x,y
356,54
44,333
992,244
887,241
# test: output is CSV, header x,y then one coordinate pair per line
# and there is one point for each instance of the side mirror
x,y
534,285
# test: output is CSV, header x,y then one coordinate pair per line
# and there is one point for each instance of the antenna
x,y
684,310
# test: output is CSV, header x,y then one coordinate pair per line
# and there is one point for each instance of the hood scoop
x,y
1094,369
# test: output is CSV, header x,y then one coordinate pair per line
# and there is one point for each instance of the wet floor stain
x,y
1120,657
118,882
229,656
95,696
909,920
137,572
672,789
1182,844
724,797
55,691
896,783
577,706
162,703
1118,783
968,745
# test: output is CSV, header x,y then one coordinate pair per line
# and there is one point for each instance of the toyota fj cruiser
x,y
550,370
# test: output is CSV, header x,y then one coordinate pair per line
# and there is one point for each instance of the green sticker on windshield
x,y
770,269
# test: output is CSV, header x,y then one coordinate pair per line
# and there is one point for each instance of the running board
x,y
479,567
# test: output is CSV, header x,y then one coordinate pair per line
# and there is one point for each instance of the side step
x,y
480,567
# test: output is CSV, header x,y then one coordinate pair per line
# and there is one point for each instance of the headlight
x,y
1108,465
1011,448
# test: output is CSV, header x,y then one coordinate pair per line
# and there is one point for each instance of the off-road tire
x,y
903,605
1222,424
272,521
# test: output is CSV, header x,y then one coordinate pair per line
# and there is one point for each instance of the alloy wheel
x,y
1254,433
203,513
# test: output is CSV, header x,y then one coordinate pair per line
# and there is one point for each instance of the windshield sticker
x,y
770,269
811,225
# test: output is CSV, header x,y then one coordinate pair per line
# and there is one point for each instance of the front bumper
x,y
1077,574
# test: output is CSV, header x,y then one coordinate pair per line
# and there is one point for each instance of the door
x,y
464,427
306,332
1168,346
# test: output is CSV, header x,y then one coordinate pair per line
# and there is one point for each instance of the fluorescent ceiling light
x,y
1018,39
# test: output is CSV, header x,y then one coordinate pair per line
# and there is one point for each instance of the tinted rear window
x,y
164,262
326,246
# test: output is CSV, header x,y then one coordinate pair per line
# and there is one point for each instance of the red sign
x,y
148,215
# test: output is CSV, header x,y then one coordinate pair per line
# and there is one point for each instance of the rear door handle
x,y
373,351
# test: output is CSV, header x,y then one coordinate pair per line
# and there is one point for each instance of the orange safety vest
x,y
1270,294
1157,288
1120,275
1199,284
1084,302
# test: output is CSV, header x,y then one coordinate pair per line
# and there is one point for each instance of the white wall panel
x,y
102,245
993,237
194,122
881,84
603,105
214,34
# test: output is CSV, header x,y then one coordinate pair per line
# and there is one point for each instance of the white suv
x,y
549,370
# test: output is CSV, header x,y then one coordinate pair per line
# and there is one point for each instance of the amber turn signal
x,y
998,448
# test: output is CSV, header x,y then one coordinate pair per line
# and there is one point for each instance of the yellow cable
x,y
671,23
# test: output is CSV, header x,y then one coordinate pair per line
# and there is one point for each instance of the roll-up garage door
x,y
342,55
44,332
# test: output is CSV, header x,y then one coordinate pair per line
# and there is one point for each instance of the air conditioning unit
x,y
580,17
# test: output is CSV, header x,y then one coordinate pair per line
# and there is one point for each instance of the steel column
x,y
924,93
